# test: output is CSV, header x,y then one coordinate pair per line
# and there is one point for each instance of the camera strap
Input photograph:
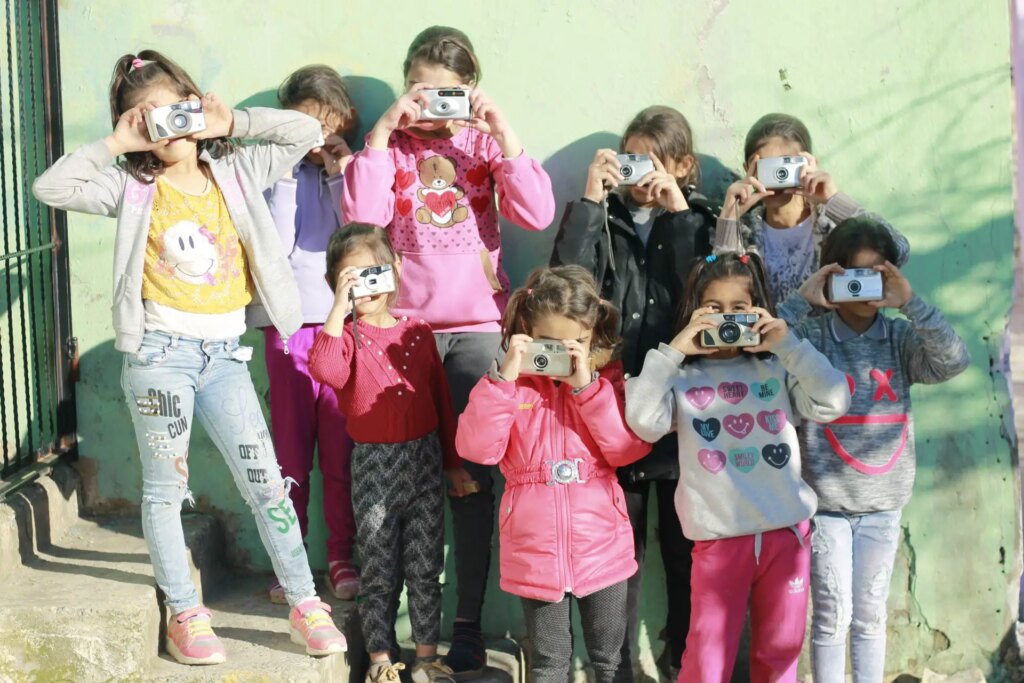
x,y
355,328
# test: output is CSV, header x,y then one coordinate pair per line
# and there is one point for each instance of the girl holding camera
x,y
787,226
740,495
392,387
638,241
862,466
558,439
195,245
431,180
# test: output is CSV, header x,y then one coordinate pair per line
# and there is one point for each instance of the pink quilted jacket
x,y
563,519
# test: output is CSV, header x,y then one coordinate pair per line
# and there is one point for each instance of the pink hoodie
x,y
436,198
556,538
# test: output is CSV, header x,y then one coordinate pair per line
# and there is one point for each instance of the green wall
x,y
909,106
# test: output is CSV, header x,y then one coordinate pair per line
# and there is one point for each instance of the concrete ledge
x,y
36,516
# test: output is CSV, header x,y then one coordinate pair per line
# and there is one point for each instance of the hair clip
x,y
711,259
137,64
744,259
529,291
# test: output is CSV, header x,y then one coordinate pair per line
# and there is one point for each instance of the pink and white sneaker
x,y
311,625
191,640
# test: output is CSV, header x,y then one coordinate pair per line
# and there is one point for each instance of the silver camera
x,y
856,284
633,167
777,173
546,358
175,120
446,104
734,329
374,280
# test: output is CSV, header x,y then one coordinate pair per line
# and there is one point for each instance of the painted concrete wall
x,y
909,106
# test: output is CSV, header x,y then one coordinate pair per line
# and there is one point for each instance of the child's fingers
x,y
660,167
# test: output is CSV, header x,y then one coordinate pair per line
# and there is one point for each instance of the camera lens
x,y
853,286
179,121
626,171
443,106
781,173
729,332
540,362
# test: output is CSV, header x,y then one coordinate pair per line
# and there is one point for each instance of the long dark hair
x,y
776,125
128,82
323,85
855,234
447,47
670,135
568,291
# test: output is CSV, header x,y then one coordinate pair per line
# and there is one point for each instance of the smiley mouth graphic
x,y
860,466
196,268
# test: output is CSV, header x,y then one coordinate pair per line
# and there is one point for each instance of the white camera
x,y
374,280
175,120
734,329
633,167
446,104
777,173
856,284
546,358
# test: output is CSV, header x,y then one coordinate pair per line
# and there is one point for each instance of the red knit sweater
x,y
392,388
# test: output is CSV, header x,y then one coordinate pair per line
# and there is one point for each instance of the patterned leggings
x,y
398,500
604,626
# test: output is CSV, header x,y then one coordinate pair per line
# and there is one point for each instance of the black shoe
x,y
467,657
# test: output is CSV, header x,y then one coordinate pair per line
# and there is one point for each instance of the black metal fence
x,y
37,350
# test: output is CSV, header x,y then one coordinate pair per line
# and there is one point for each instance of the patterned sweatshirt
x,y
739,459
864,462
436,199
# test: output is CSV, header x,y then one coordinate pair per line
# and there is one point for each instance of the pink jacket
x,y
556,538
436,198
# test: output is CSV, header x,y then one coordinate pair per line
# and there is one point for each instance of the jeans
x,y
851,567
166,383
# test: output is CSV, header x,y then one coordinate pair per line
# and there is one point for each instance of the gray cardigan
x,y
88,181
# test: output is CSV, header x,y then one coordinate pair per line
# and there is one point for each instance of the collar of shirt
x,y
841,331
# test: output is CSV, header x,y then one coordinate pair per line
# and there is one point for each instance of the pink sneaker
x,y
311,625
343,580
191,640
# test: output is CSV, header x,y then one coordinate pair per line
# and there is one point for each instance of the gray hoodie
x,y
88,181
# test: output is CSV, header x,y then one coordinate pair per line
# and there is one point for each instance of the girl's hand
x,y
220,120
772,330
813,289
336,154
744,193
405,112
687,342
815,184
487,118
602,175
461,482
130,133
895,287
581,375
663,188
347,279
514,357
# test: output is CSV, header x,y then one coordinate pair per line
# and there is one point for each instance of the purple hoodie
x,y
307,209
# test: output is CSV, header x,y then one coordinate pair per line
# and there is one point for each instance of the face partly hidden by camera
x,y
546,354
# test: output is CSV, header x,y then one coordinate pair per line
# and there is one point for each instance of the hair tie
x,y
137,64
529,291
744,259
711,259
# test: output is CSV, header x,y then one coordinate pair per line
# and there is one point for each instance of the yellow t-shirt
x,y
194,261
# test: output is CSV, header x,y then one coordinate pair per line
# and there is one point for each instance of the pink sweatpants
x,y
776,580
304,415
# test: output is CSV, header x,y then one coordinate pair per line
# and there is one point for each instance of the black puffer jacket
x,y
644,283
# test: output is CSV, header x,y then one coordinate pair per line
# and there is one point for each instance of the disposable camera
x,y
175,120
734,329
633,167
777,173
546,358
374,280
446,104
856,284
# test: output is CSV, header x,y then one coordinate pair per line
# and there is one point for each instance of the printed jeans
x,y
167,382
851,567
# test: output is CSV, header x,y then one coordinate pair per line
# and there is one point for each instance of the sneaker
x,y
343,580
467,656
276,593
311,625
384,672
191,640
432,670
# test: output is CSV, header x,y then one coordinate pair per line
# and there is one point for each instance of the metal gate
x,y
37,350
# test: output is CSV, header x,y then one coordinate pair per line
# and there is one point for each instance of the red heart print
x,y
440,204
700,397
733,392
852,384
404,179
738,425
772,421
712,461
403,205
478,175
480,204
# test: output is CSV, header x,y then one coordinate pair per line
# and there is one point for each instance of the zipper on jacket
x,y
284,342
565,526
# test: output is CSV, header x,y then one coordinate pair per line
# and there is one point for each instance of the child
x,y
195,244
640,242
392,387
740,495
305,416
862,465
788,228
432,183
563,526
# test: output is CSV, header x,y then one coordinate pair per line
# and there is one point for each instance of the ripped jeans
x,y
167,382
851,567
